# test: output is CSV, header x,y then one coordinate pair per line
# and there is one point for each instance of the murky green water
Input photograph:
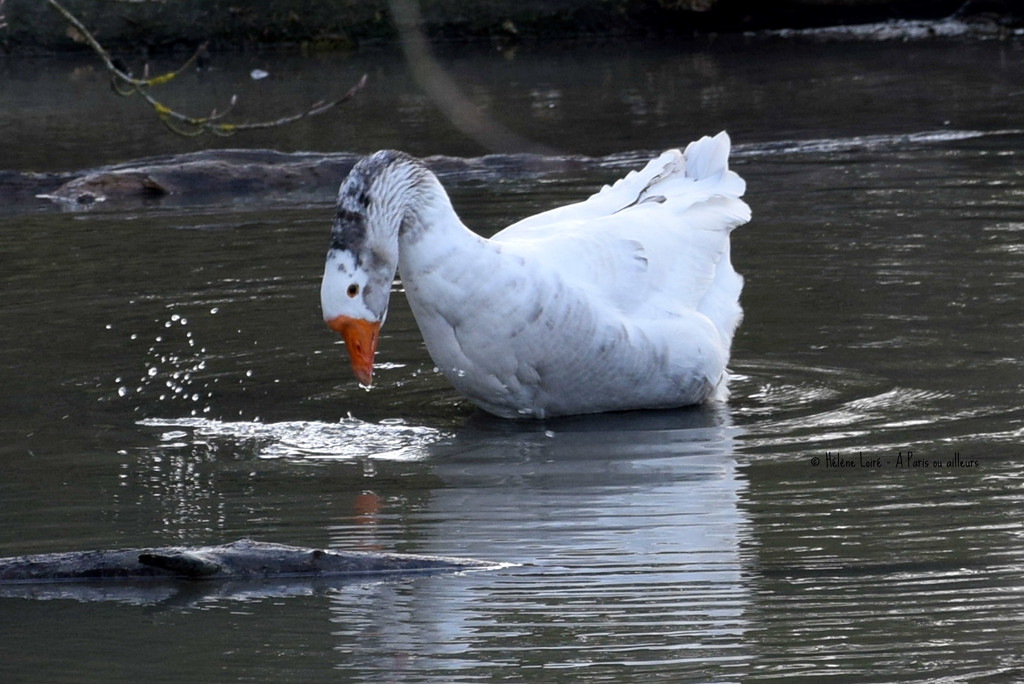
x,y
167,379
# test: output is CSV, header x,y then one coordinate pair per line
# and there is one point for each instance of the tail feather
x,y
698,174
684,178
707,162
708,156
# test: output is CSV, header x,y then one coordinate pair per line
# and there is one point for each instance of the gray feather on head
x,y
372,204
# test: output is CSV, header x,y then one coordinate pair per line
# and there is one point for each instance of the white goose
x,y
627,300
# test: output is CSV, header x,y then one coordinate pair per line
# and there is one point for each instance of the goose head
x,y
363,254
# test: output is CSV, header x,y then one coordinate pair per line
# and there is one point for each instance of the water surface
x,y
853,514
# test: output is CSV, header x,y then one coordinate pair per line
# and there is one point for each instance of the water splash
x,y
174,362
350,439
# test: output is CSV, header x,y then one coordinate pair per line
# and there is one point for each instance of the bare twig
x,y
125,84
314,109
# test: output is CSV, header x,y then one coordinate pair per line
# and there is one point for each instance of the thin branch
x,y
314,110
125,84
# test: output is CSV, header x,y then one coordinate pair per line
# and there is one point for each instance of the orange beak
x,y
361,341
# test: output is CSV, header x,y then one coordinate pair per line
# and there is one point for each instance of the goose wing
x,y
651,244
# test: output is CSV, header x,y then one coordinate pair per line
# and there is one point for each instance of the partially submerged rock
x,y
903,30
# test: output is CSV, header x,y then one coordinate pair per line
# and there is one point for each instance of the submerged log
x,y
252,176
198,177
243,559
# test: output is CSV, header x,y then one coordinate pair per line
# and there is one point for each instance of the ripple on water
x,y
784,406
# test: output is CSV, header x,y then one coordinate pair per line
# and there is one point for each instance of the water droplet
x,y
108,326
122,391
214,310
175,317
134,336
152,371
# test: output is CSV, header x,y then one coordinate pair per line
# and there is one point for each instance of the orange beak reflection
x,y
361,342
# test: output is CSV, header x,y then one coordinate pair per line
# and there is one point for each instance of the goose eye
x,y
353,290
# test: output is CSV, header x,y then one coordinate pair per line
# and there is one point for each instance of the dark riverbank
x,y
33,26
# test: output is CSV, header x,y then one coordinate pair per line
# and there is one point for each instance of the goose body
x,y
627,300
